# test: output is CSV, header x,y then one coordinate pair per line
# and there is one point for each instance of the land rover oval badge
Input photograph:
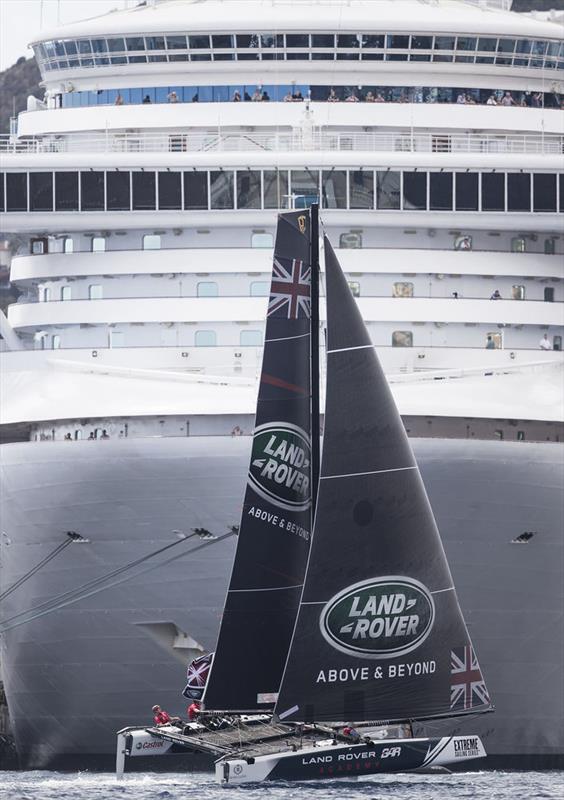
x,y
379,618
280,465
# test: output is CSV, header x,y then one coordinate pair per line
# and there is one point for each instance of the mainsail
x,y
267,578
379,634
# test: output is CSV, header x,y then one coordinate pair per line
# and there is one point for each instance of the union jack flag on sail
x,y
290,294
467,686
197,675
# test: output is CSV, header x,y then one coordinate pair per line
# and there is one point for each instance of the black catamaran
x,y
341,599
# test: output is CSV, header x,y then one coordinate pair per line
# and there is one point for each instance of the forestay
x,y
379,633
267,578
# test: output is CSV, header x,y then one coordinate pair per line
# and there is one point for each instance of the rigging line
x,y
373,472
287,338
101,579
35,569
98,589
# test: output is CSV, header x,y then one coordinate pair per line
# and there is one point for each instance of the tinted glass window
x,y
170,193
372,40
487,44
2,206
518,192
275,189
99,45
155,42
247,40
466,43
440,190
117,184
305,187
92,191
222,41
176,42
444,42
66,191
195,191
544,192
16,191
322,40
561,192
116,45
248,189
466,191
199,42
135,43
334,183
85,47
297,40
493,191
143,184
207,289
361,189
41,191
506,45
221,189
272,40
388,189
415,191
421,42
398,42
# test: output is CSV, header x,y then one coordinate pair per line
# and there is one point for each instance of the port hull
x,y
74,677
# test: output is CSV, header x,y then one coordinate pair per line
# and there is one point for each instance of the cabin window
x,y
196,191
39,247
98,244
334,188
518,244
305,187
248,189
518,191
205,339
466,192
77,435
275,188
402,339
118,191
402,289
260,289
354,286
549,294
493,191
117,338
361,189
463,243
498,433
494,340
440,191
151,241
55,342
95,291
207,289
557,342
44,294
66,293
41,191
414,191
144,191
250,339
260,240
388,190
68,245
544,192
221,189
352,240
16,191
517,292
549,247
170,191
66,191
92,191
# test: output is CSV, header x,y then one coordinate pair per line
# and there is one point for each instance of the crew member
x,y
193,710
161,717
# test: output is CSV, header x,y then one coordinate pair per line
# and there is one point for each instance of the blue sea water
x,y
201,786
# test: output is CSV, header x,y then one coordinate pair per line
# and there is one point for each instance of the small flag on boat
x,y
467,688
197,676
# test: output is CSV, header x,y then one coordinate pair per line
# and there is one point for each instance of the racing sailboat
x,y
341,624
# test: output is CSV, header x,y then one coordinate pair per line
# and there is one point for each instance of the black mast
x,y
314,357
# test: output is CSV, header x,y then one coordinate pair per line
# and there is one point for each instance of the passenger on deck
x,y
332,96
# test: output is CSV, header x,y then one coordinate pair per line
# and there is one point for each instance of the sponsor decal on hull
x,y
379,618
280,465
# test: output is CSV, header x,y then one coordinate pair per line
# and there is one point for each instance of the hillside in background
x,y
16,83
22,79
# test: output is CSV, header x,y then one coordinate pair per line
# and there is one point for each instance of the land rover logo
x,y
279,470
379,618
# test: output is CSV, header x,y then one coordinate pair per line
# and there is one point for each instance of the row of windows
x,y
262,289
104,51
297,92
278,189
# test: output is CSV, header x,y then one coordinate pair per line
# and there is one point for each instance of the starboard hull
x,y
327,761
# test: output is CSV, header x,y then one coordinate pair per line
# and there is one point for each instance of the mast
x,y
314,357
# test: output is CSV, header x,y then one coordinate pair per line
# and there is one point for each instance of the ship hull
x,y
75,676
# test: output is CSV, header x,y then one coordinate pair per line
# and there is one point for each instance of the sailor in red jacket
x,y
193,710
161,717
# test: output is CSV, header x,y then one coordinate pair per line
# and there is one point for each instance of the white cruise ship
x,y
142,193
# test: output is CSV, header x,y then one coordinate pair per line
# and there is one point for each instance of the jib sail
x,y
267,578
379,633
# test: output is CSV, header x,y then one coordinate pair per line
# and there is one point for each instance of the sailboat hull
x,y
326,760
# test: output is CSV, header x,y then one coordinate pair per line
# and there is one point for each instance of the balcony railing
x,y
177,142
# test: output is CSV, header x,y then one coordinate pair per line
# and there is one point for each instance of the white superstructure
x,y
143,192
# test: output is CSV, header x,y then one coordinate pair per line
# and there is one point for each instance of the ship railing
x,y
408,141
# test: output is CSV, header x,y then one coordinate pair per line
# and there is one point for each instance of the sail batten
x,y
387,641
